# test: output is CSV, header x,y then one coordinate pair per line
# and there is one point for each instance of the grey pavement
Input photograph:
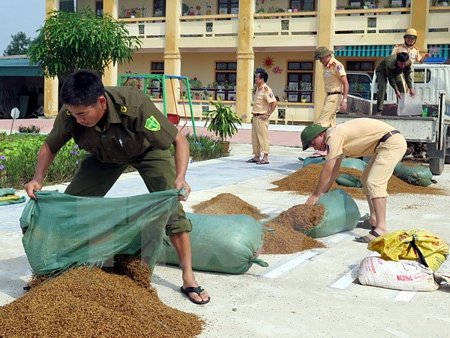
x,y
306,294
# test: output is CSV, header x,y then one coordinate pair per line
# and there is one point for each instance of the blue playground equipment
x,y
148,83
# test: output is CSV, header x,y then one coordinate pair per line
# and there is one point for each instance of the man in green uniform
x,y
355,138
388,70
120,126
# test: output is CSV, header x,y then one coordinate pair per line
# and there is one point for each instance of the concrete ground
x,y
306,294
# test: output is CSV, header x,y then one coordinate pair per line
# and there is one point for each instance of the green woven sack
x,y
222,243
345,180
341,214
347,162
348,180
417,175
8,196
62,230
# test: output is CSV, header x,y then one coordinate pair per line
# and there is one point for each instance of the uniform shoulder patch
x,y
152,124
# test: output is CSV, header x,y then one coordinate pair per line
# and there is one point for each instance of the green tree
x,y
81,40
19,45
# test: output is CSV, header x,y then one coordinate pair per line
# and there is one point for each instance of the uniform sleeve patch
x,y
152,124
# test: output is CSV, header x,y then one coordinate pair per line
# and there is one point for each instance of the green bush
x,y
18,156
204,148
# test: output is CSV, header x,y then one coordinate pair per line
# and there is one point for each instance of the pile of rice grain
x,y
304,181
88,302
228,204
282,238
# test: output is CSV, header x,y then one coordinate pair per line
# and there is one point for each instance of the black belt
x,y
387,135
334,93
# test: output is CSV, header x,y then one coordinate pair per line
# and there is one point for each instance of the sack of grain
x,y
63,230
403,275
341,214
414,174
222,243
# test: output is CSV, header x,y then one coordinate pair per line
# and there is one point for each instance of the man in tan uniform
x,y
356,138
336,87
407,46
410,38
264,103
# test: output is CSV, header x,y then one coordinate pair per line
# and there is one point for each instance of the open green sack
x,y
341,214
417,175
62,230
222,243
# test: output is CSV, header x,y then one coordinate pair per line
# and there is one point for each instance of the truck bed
x,y
413,128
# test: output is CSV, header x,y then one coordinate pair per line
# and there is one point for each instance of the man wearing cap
x,y
336,87
356,138
388,70
410,38
264,103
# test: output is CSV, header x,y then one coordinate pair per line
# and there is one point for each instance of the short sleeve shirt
x,y
262,98
412,51
332,73
355,138
133,126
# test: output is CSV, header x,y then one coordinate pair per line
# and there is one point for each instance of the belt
x,y
334,93
387,135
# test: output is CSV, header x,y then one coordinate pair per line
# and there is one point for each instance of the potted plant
x,y
222,121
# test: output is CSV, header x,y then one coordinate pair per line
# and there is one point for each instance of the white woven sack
x,y
406,275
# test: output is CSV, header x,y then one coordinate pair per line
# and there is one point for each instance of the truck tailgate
x,y
413,128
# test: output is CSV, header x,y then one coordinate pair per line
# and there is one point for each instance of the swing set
x,y
149,83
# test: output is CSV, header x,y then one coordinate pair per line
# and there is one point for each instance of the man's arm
x,y
181,145
45,158
407,72
344,82
327,176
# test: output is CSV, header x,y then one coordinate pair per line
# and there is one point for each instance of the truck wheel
x,y
437,165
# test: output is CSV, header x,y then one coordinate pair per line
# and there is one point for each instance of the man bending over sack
x,y
120,126
356,138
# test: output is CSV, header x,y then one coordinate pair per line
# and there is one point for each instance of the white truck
x,y
428,134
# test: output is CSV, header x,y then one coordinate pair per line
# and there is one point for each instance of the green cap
x,y
321,52
310,133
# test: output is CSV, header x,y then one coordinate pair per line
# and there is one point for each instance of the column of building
x,y
110,72
325,37
51,83
419,21
172,56
245,60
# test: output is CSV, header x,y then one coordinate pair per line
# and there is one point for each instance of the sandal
x,y
252,160
198,290
262,162
367,238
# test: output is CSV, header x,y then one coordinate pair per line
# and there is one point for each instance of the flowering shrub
x,y
18,156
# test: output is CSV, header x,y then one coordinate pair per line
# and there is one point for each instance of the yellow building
x,y
220,43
